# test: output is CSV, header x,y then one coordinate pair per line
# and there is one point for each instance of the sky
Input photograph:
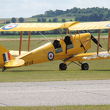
x,y
28,8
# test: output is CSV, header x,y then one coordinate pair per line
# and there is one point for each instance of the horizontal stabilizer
x,y
14,63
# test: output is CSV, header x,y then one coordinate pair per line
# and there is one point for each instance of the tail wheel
x,y
85,66
62,66
3,69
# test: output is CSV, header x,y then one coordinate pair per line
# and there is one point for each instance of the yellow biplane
x,y
71,48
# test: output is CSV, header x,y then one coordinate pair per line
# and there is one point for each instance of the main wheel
x,y
62,66
85,66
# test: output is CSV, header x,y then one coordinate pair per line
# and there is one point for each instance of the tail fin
x,y
7,60
5,56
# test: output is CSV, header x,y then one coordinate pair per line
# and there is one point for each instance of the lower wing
x,y
16,53
90,56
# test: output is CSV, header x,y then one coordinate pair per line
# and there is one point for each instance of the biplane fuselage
x,y
79,43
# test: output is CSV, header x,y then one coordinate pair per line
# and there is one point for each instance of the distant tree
x,y
39,20
49,13
21,20
58,12
13,20
44,20
7,22
82,18
55,19
49,20
63,20
84,14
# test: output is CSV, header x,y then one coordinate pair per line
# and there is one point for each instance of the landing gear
x,y
84,66
3,69
62,66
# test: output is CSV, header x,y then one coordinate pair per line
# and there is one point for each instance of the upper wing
x,y
90,56
35,26
52,26
91,25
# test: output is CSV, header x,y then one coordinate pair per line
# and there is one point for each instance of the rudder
x,y
5,56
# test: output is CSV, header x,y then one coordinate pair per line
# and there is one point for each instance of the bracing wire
x,y
44,37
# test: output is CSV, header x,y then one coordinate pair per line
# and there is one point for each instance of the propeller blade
x,y
95,41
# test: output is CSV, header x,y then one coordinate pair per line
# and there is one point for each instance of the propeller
x,y
95,41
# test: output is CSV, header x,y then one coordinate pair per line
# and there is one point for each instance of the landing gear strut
x,y
84,66
62,66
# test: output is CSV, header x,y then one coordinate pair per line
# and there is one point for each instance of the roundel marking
x,y
50,55
9,26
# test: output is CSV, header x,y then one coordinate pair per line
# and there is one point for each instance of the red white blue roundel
x,y
9,26
50,55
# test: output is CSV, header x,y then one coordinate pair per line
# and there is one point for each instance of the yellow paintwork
x,y
14,63
36,26
15,53
91,25
52,26
90,56
80,42
40,55
2,51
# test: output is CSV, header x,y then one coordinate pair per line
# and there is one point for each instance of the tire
x,y
85,66
62,66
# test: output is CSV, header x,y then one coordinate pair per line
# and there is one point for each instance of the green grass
x,y
2,25
50,72
97,107
47,18
33,36
102,34
47,36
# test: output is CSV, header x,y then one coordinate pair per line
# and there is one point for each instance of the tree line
x,y
84,14
77,14
39,19
14,20
44,19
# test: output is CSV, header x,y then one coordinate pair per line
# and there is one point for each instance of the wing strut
x,y
20,43
29,35
108,40
98,42
67,31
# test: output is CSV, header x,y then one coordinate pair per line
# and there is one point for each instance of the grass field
x,y
32,36
97,107
99,70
